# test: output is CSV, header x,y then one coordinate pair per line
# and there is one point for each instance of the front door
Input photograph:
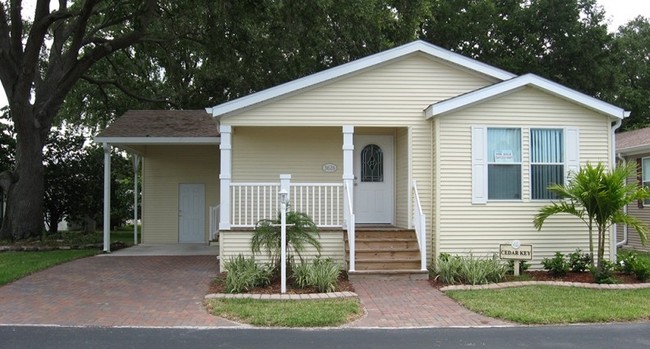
x,y
191,213
373,172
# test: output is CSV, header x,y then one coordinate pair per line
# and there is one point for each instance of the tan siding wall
x,y
401,178
643,213
480,229
164,168
233,243
262,154
392,95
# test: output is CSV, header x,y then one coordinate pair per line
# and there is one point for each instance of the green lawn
x,y
15,265
294,313
557,305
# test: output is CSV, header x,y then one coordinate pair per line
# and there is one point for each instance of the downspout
x,y
612,237
625,231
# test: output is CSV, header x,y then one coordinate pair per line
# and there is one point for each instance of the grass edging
x,y
545,283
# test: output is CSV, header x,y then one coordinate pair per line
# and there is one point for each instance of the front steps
x,y
386,254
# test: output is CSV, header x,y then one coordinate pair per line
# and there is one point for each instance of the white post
x,y
225,176
107,198
285,180
136,166
348,166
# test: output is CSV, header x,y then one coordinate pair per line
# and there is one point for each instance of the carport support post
x,y
225,176
107,198
136,166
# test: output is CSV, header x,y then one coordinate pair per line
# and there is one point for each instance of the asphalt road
x,y
573,336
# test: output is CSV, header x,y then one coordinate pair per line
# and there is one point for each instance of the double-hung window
x,y
504,163
546,162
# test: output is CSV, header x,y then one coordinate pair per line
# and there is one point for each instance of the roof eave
x,y
159,140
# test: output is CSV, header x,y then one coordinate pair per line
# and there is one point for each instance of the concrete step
x,y
412,274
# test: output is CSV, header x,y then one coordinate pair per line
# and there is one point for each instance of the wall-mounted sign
x,y
329,168
521,252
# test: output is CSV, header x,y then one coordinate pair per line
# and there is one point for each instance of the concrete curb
x,y
277,297
547,283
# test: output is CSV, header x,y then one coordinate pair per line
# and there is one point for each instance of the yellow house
x,y
415,140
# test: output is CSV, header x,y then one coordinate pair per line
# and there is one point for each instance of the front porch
x,y
337,207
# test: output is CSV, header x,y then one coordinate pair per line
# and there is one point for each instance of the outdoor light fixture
x,y
284,200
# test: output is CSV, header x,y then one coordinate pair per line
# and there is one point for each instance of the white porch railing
x,y
349,224
214,221
250,202
420,222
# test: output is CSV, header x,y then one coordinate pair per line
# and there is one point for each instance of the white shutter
x,y
571,152
479,165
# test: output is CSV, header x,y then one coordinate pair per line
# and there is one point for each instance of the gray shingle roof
x,y
163,123
633,139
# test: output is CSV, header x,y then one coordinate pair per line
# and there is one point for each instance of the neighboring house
x,y
416,137
634,147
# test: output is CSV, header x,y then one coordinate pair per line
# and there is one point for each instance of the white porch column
x,y
225,176
107,198
136,166
348,164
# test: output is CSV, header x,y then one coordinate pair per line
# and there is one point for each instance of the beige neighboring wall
x,y
464,227
640,211
164,168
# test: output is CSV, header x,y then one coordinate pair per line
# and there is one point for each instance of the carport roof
x,y
154,126
633,142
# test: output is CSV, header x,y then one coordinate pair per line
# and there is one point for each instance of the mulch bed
x,y
539,275
218,286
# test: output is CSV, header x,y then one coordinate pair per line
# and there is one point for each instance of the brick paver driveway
x,y
114,291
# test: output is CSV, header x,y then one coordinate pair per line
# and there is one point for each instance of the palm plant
x,y
301,231
597,198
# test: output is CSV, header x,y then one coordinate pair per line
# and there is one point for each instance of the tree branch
x,y
126,91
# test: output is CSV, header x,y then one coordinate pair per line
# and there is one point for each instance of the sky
x,y
618,12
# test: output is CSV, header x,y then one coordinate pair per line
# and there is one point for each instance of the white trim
x,y
466,100
641,149
158,140
356,66
225,176
107,197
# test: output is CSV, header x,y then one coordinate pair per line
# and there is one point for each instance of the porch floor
x,y
167,250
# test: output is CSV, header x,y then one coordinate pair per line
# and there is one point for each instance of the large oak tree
x,y
42,60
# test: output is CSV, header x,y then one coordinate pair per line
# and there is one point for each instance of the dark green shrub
x,y
557,265
244,274
627,261
604,274
641,270
579,261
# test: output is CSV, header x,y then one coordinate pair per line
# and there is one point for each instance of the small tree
x,y
598,197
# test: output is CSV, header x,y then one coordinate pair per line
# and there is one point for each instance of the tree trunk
x,y
24,213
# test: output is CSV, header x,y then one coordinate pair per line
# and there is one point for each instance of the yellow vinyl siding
x,y
464,227
233,243
164,168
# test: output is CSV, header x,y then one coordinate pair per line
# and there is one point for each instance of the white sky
x,y
618,13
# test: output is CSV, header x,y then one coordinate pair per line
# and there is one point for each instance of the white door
x,y
373,184
191,213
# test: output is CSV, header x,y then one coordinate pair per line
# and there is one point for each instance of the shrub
x,y
579,262
523,266
626,262
469,270
605,273
321,274
557,265
244,274
641,270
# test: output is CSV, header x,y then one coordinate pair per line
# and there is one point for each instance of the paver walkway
x,y
397,303
114,291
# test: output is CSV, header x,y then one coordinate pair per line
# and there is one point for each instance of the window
x,y
645,176
372,164
546,162
504,163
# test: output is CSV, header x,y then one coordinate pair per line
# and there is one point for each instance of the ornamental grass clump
x,y
244,274
470,270
321,274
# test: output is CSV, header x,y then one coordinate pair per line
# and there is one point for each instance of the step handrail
x,y
350,222
420,223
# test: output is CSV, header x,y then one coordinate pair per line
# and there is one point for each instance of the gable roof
x,y
633,142
161,126
514,84
354,67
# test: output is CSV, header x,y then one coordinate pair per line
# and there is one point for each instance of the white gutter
x,y
625,231
612,238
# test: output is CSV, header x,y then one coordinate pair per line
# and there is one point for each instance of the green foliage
x,y
321,274
579,261
523,266
597,198
630,263
15,265
245,274
301,232
469,270
604,274
557,266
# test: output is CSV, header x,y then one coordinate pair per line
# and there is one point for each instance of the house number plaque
x,y
329,168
